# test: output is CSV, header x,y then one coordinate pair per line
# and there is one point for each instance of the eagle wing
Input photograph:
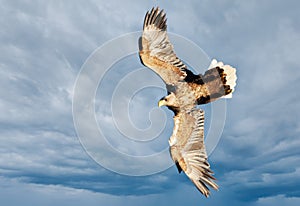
x,y
188,150
156,51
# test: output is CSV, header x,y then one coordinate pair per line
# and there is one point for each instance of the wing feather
x,y
188,150
156,51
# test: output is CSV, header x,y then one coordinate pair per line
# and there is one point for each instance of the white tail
x,y
230,73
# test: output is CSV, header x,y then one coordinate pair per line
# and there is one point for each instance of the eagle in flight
x,y
186,90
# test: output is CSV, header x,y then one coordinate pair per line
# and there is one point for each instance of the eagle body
x,y
185,90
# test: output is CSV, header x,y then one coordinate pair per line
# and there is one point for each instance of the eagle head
x,y
169,100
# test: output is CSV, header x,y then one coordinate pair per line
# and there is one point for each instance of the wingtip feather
x,y
155,17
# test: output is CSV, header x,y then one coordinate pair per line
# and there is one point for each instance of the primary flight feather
x,y
186,90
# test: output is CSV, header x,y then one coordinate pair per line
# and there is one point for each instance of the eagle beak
x,y
161,103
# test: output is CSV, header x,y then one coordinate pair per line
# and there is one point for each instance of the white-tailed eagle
x,y
186,90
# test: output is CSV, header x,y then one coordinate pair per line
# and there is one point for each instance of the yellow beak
x,y
161,103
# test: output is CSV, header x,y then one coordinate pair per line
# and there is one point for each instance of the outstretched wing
x,y
156,51
188,151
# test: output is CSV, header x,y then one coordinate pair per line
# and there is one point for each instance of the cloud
x,y
43,46
42,52
258,147
280,199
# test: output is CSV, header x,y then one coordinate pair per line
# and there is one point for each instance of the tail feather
x,y
220,82
230,78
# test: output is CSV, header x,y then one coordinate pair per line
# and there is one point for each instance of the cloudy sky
x,y
51,153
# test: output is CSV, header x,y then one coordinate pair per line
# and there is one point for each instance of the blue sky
x,y
43,47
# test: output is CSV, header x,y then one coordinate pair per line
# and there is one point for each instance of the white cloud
x,y
278,200
43,46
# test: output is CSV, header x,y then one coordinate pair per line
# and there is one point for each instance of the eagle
x,y
185,90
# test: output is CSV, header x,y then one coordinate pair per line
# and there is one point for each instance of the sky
x,y
58,91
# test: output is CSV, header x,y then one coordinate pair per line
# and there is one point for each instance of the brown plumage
x,y
185,91
188,151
